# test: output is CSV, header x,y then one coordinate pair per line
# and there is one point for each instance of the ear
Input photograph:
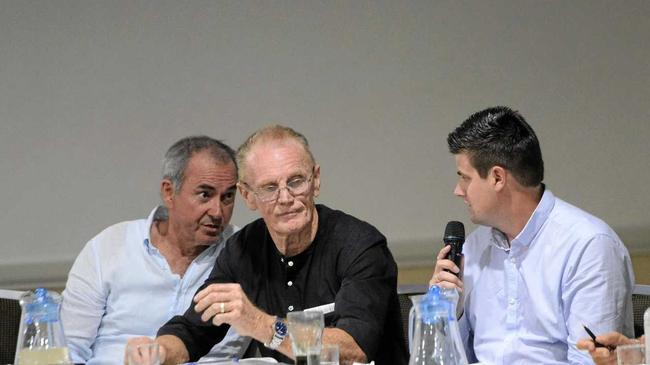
x,y
498,176
248,196
316,180
167,193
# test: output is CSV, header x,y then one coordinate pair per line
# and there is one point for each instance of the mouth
x,y
289,214
213,228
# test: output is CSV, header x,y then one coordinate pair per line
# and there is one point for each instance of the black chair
x,y
640,302
404,294
9,324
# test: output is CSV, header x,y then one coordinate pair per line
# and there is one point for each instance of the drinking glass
x,y
329,355
306,331
143,354
630,354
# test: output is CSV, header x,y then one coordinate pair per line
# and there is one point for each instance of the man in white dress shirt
x,y
537,268
133,276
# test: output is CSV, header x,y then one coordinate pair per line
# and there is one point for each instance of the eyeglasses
x,y
270,192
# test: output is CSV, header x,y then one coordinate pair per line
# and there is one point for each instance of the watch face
x,y
281,328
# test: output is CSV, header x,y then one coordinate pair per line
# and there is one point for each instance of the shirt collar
x,y
160,213
156,213
532,227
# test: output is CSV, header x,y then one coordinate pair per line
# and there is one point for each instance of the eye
x,y
228,197
268,188
296,182
205,194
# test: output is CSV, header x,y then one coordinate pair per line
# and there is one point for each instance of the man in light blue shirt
x,y
133,276
537,269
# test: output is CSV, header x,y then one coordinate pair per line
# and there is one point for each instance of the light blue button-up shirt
x,y
526,303
121,286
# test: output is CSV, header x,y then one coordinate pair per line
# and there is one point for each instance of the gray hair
x,y
272,132
178,155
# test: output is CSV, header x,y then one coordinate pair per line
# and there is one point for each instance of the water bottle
x,y
436,339
41,340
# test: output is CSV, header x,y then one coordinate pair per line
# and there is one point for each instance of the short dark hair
x,y
500,136
178,155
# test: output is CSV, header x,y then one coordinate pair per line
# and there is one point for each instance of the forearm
x,y
175,351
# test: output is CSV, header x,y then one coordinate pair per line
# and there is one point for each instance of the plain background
x,y
93,92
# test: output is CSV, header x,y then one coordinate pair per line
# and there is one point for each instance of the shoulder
x,y
344,229
118,236
242,239
574,225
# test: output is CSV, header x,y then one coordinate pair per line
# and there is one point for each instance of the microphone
x,y
454,237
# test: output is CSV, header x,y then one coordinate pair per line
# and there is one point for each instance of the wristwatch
x,y
279,333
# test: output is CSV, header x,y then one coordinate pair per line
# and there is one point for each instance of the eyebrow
x,y
212,188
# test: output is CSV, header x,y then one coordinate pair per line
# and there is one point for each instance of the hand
x,y
139,357
445,279
603,355
227,303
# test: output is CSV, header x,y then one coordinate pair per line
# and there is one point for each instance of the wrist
x,y
278,331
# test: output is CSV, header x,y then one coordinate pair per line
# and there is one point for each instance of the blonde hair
x,y
269,133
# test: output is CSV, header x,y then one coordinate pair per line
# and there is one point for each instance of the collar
x,y
532,227
157,213
160,213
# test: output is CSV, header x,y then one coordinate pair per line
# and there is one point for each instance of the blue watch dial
x,y
281,328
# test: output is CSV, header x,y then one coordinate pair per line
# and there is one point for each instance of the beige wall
x,y
421,274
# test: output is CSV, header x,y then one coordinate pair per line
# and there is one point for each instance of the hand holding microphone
x,y
455,237
449,260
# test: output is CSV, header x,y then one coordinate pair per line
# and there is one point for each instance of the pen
x,y
593,338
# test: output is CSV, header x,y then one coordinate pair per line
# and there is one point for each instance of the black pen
x,y
593,338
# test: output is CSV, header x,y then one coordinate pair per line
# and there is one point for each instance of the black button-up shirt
x,y
347,264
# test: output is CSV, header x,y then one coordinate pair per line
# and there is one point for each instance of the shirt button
x,y
290,308
513,260
290,263
289,283
512,302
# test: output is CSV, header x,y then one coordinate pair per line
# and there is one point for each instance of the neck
x,y
521,203
179,254
294,243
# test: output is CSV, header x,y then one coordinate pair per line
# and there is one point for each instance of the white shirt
x,y
527,304
121,286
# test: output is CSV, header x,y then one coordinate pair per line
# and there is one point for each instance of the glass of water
x,y
630,354
329,355
306,331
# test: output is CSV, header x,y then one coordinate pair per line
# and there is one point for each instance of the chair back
x,y
404,294
640,302
10,312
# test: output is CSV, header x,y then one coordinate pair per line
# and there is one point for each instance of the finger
x,y
586,344
217,288
613,338
445,264
211,298
448,280
443,252
603,356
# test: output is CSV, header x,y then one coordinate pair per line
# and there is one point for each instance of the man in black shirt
x,y
298,256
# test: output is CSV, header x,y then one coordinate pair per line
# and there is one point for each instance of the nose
x,y
284,197
215,210
458,191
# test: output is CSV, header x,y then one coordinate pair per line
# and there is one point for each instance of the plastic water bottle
x,y
41,340
436,339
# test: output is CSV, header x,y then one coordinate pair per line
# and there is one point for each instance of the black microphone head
x,y
454,231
